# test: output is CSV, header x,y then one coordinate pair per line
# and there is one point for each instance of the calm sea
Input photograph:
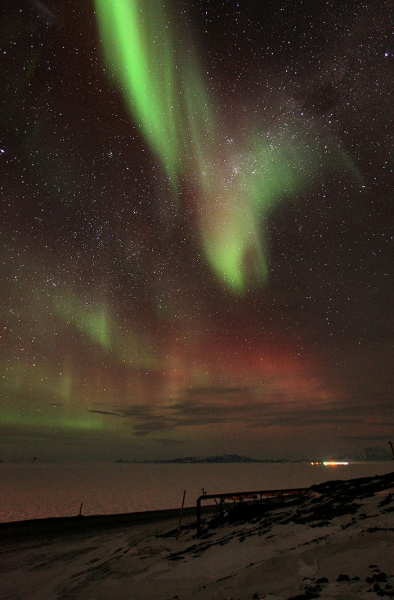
x,y
54,490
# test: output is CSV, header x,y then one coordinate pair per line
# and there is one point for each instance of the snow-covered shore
x,y
336,543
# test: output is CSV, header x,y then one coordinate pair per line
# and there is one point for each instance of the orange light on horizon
x,y
330,463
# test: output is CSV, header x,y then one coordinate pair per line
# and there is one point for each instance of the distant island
x,y
221,458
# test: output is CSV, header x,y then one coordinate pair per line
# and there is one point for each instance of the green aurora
x,y
162,85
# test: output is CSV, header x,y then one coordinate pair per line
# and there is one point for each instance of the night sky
x,y
196,228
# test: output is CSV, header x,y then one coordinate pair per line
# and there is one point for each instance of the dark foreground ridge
x,y
323,502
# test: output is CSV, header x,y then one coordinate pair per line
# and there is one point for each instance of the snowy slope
x,y
336,543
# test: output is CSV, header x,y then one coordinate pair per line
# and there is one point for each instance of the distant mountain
x,y
222,458
374,453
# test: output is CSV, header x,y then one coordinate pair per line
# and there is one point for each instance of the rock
x,y
376,587
380,576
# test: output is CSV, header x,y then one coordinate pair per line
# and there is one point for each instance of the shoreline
x,y
92,524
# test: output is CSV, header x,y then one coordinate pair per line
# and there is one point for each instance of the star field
x,y
196,228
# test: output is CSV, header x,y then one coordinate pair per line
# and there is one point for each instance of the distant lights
x,y
330,463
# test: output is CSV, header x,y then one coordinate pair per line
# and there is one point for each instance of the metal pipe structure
x,y
226,502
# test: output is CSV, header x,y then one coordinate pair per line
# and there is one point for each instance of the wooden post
x,y
180,515
199,515
80,510
392,449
